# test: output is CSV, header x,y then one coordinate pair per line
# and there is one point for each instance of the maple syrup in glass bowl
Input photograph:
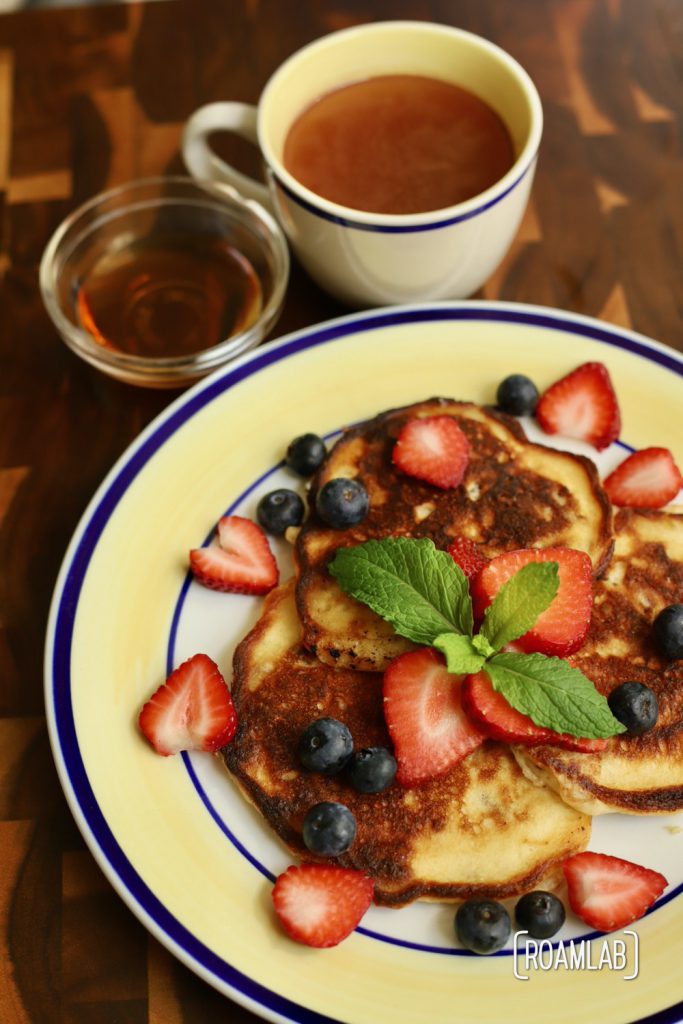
x,y
161,281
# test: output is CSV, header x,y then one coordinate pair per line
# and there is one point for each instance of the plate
x,y
184,851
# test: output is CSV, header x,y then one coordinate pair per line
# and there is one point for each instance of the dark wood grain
x,y
91,97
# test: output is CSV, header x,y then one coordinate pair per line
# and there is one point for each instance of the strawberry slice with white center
x,y
646,479
321,904
433,449
241,562
192,710
582,405
562,627
608,892
491,713
424,716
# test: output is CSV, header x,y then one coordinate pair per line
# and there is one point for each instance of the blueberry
x,y
305,454
517,395
668,631
279,509
540,913
329,829
325,746
372,770
342,502
635,706
482,926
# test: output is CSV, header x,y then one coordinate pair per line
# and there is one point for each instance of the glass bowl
x,y
160,281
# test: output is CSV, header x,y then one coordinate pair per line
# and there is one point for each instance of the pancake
x,y
480,830
636,774
514,495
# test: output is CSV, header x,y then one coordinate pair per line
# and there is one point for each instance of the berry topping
x,y
192,710
329,829
668,631
635,706
582,405
280,509
517,395
325,746
482,926
540,913
608,892
241,563
426,722
646,479
434,449
321,904
467,555
305,454
372,770
342,502
491,713
562,627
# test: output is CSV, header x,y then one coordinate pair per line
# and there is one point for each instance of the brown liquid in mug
x,y
398,144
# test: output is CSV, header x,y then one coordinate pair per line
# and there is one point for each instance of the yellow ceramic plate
x,y
190,858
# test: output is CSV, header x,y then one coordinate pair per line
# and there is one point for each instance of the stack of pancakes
x,y
502,820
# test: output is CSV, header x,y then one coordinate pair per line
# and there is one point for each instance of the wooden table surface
x,y
91,97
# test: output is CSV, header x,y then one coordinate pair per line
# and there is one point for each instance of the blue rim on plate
x,y
60,713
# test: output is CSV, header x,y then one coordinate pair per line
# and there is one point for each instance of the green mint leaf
x,y
552,694
519,602
461,654
482,646
419,590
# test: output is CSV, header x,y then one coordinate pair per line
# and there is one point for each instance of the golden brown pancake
x,y
480,830
636,774
514,495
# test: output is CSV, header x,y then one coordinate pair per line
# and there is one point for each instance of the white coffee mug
x,y
371,258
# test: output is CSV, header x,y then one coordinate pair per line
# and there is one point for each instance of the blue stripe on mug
x,y
397,229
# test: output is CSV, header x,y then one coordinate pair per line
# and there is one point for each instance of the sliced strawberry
x,y
608,892
562,627
192,710
432,448
425,719
320,904
491,713
646,479
241,563
466,554
582,405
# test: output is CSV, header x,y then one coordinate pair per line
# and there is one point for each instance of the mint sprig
x,y
425,596
519,602
419,590
462,657
552,694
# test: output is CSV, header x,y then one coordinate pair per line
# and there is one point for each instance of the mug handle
x,y
201,160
